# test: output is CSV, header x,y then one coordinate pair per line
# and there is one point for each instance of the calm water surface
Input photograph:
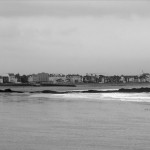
x,y
34,122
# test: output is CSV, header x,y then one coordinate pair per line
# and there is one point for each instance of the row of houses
x,y
92,78
41,78
55,78
72,78
8,78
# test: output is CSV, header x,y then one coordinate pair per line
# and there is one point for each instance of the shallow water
x,y
58,122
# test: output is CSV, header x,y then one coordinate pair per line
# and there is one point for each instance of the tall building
x,y
43,77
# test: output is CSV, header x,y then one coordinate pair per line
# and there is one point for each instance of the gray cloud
x,y
74,8
77,44
74,37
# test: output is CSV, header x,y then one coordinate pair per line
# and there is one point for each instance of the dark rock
x,y
97,91
135,90
49,91
53,92
90,91
8,90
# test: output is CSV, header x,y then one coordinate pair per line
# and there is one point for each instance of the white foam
x,y
139,97
134,97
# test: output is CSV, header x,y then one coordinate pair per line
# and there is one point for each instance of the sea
x,y
74,121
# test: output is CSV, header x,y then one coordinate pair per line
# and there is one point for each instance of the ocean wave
x,y
134,97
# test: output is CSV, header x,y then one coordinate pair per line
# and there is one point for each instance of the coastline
x,y
83,86
50,91
77,84
42,84
115,84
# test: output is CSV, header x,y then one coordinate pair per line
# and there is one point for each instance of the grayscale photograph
x,y
74,75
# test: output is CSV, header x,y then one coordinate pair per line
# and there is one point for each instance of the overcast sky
x,y
107,37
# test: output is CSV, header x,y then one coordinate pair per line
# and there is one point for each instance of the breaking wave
x,y
133,97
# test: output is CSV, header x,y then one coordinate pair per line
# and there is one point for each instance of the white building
x,y
33,78
74,78
12,78
1,79
57,78
145,77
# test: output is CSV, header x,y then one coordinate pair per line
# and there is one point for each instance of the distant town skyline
x,y
106,37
